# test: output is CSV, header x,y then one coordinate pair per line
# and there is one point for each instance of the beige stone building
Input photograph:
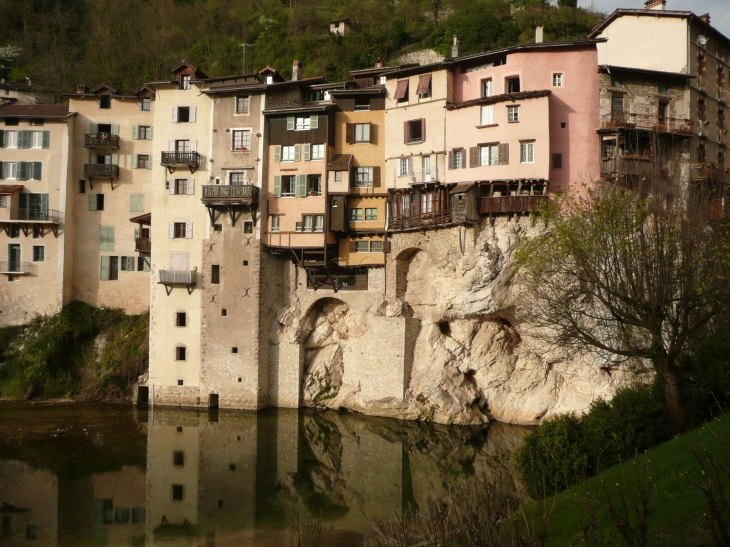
x,y
36,238
17,92
110,183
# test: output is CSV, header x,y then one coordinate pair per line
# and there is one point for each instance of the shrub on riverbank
x,y
83,352
563,448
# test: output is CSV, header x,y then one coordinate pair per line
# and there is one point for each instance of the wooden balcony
x,y
632,165
171,160
143,245
170,278
101,170
512,204
421,222
102,140
629,120
15,267
237,194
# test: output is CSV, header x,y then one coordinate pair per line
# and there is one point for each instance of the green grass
x,y
676,508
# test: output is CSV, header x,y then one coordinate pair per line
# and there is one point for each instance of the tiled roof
x,y
608,68
340,162
521,96
10,189
34,111
142,219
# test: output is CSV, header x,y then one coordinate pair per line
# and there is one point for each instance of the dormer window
x,y
145,105
185,81
269,79
362,104
314,96
105,101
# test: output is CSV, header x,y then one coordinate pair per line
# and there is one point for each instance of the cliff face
x,y
445,313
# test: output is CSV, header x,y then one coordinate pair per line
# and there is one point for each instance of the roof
x,y
319,107
145,219
380,70
35,111
16,86
609,68
340,162
10,189
461,187
102,87
521,96
372,90
184,64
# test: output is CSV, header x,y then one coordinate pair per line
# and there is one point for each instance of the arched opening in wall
x,y
326,326
402,265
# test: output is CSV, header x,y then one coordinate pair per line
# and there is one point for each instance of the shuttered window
x,y
104,269
106,238
487,115
137,203
424,86
401,92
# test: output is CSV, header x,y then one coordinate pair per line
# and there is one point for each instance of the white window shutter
x,y
171,231
193,113
193,145
134,161
170,146
174,114
171,187
188,230
191,187
135,132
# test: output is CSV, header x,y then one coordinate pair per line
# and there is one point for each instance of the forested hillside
x,y
61,43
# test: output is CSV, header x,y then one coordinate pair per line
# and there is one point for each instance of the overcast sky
x,y
719,9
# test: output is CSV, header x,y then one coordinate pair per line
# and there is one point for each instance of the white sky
x,y
719,9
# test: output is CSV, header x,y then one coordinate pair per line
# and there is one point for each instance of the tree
x,y
630,275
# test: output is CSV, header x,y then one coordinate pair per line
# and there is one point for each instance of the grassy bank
x,y
82,352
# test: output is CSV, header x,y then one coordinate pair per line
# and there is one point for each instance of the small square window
x,y
616,81
12,121
183,114
180,355
178,492
105,101
178,458
557,79
563,125
145,105
185,81
557,161
248,227
234,350
181,319
224,312
355,214
371,214
513,85
513,114
181,382
245,262
240,380
179,429
376,246
220,504
232,466
39,253
217,228
362,246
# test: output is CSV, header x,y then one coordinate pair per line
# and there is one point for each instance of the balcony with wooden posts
x,y
33,217
633,165
648,122
143,245
421,221
103,141
171,278
101,170
16,267
172,160
230,199
497,205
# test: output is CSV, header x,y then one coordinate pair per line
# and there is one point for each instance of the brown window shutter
x,y
423,83
386,246
401,90
451,159
504,153
350,133
405,132
376,176
474,156
373,133
423,129
352,246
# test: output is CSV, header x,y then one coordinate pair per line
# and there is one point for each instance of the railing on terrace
x,y
648,121
512,204
245,193
354,282
627,165
102,140
423,177
37,215
143,245
425,220
101,170
180,158
16,267
176,277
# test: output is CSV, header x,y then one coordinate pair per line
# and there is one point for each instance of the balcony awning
x,y
10,189
423,84
340,162
400,91
461,187
145,219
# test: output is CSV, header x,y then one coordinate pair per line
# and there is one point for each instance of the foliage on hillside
x,y
81,352
124,43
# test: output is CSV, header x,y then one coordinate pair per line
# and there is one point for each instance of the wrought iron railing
x,y
16,266
512,204
177,277
37,215
237,192
101,170
648,121
180,158
102,140
354,282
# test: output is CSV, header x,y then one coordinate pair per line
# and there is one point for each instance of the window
x,y
319,223
136,204
217,228
288,153
489,154
527,152
237,178
183,146
10,170
180,353
39,253
355,215
96,202
141,161
487,87
31,531
364,177
11,139
362,246
616,81
113,267
382,80
513,114
401,92
513,85
317,151
181,382
145,105
234,350
179,230
177,492
487,115
127,263
247,229
178,458
241,140
362,132
288,186
314,96
143,264
405,167
224,312
557,79
215,274
37,122
183,114
3,201
302,124
459,159
105,101
371,214
14,231
275,223
424,86
36,139
557,161
376,246
185,81
415,130
144,132
362,105
242,104
106,238
138,514
617,102
12,121
314,185
180,186
338,176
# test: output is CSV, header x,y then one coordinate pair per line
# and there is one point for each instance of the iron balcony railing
x,y
512,204
37,215
171,159
177,277
102,140
15,266
143,245
648,121
354,282
243,193
425,220
101,170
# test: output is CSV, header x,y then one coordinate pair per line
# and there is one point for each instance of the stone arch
x,y
402,266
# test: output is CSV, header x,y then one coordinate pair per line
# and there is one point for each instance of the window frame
x,y
527,148
376,246
404,162
42,249
292,152
361,244
145,101
491,151
558,79
513,113
185,82
242,105
363,177
371,217
486,87
412,124
105,100
179,230
356,214
302,124
275,224
243,133
320,155
361,129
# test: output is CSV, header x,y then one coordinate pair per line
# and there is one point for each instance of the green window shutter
x,y
115,130
93,157
135,132
277,153
2,171
23,139
290,123
93,129
22,170
37,170
150,132
46,139
106,238
314,122
104,273
147,264
137,204
2,138
115,159
277,186
307,152
134,161
297,152
92,202
301,189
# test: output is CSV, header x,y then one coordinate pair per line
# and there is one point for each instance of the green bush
x,y
706,375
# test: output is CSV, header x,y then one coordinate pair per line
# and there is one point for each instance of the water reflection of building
x,y
28,508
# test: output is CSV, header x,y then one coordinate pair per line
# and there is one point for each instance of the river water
x,y
113,475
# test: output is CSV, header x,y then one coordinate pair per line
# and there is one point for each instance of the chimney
x,y
659,5
705,18
82,89
379,63
539,34
296,72
456,48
